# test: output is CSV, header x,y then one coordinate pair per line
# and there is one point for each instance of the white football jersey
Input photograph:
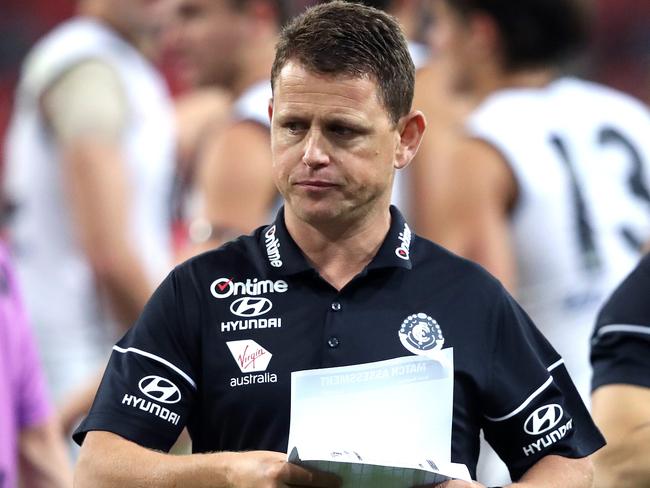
x,y
580,154
73,327
253,104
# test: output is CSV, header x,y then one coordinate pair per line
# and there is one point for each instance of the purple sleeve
x,y
30,392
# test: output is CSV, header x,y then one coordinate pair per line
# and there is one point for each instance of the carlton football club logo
x,y
420,334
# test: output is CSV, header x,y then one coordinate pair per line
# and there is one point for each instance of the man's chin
x,y
319,213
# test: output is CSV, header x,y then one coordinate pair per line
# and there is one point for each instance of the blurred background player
x,y
90,155
548,188
620,356
31,444
230,45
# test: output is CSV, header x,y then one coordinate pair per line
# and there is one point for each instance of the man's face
x,y
449,39
333,143
205,37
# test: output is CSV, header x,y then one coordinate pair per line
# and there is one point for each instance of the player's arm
x,y
87,111
78,403
234,177
623,414
107,460
43,460
201,113
474,197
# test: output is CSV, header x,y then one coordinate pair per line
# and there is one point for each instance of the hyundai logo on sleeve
x,y
543,419
160,389
251,306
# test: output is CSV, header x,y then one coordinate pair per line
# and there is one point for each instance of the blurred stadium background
x,y
619,54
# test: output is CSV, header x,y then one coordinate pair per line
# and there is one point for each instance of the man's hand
x,y
265,469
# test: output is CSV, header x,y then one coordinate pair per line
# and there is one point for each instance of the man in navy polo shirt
x,y
338,279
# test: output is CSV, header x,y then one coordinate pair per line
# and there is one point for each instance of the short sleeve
x,y
149,385
532,407
620,347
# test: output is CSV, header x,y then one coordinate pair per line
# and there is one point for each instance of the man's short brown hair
x,y
341,38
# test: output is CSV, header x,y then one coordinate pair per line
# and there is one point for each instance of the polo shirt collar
x,y
283,257
395,251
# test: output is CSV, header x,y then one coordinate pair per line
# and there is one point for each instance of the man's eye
x,y
342,131
294,127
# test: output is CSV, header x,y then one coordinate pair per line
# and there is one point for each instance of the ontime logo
x,y
226,287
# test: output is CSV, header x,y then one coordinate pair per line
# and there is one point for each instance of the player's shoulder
x,y
252,105
79,33
593,96
68,44
501,112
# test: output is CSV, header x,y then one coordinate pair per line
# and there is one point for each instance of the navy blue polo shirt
x,y
216,344
620,351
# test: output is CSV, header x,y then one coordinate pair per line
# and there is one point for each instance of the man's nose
x,y
315,153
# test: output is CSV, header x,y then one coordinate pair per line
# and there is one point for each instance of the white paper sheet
x,y
394,417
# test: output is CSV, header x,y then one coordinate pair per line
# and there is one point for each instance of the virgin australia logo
x,y
253,360
249,355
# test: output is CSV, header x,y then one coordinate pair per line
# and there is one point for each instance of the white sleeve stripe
x,y
637,329
555,365
156,358
524,404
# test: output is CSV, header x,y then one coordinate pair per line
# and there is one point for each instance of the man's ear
x,y
411,128
271,111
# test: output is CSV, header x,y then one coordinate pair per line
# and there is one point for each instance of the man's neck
x,y
340,250
102,12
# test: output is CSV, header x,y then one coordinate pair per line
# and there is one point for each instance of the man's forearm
x,y
107,460
558,472
624,464
128,465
